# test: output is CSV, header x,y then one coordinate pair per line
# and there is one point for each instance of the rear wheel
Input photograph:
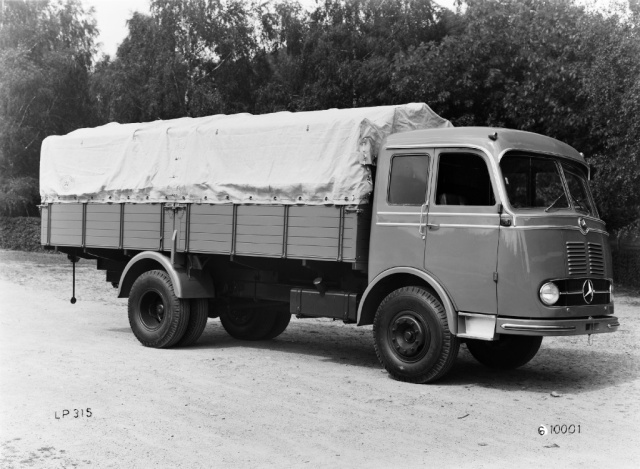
x,y
506,353
281,322
198,315
412,337
158,318
248,324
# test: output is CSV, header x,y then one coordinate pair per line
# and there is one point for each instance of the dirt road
x,y
314,397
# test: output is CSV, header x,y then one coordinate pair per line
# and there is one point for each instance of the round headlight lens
x,y
549,293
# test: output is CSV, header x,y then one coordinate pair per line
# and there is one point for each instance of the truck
x,y
387,216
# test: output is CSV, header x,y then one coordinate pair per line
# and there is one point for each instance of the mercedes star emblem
x,y
588,291
582,223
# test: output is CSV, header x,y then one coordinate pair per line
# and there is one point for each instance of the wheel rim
x,y
240,317
409,336
152,310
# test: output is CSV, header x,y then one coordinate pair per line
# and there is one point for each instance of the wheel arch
x,y
184,285
399,277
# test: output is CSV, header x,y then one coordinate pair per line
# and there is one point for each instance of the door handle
x,y
421,224
433,226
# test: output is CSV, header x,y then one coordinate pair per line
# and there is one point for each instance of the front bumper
x,y
557,327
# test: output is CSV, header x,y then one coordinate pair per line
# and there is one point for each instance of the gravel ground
x,y
314,397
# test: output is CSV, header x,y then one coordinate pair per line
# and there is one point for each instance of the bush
x,y
626,267
20,233
626,255
19,196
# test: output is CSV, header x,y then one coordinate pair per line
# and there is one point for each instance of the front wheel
x,y
506,353
412,337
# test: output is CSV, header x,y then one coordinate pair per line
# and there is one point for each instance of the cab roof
x,y
479,137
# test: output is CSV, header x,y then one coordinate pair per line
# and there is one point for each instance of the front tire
x,y
506,353
412,337
158,318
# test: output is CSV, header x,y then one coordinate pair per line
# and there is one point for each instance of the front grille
x,y
583,259
571,292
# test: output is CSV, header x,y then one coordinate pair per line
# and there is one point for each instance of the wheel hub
x,y
159,313
152,309
409,336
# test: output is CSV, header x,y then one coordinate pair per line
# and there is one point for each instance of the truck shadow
x,y
332,342
564,370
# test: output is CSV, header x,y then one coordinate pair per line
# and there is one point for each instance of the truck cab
x,y
500,227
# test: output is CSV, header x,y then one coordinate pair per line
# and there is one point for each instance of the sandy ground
x,y
314,397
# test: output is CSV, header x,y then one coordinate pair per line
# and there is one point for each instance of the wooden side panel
x,y
309,232
103,225
211,228
259,230
142,226
66,224
44,223
314,232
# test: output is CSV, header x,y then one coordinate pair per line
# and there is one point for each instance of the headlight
x,y
549,293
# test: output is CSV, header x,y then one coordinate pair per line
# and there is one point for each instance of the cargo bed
x,y
332,233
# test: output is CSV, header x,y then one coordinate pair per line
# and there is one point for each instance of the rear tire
x,y
158,318
248,324
198,315
412,337
282,321
506,353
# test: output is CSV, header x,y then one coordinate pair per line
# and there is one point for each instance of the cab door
x,y
400,211
463,229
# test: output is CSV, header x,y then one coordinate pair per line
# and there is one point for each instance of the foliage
x,y
340,54
550,67
626,268
180,61
20,233
46,48
19,196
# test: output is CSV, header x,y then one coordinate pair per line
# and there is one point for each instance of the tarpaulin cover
x,y
316,157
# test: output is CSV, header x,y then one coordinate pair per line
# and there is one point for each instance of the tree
x,y
45,58
550,67
340,54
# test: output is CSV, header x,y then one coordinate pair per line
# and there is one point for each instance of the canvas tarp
x,y
316,157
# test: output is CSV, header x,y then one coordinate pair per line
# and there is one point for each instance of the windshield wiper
x,y
553,203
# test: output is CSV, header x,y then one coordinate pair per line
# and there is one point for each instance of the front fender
x,y
452,315
184,286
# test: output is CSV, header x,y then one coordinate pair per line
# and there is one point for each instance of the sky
x,y
112,16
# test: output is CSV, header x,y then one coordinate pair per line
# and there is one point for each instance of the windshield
x,y
546,183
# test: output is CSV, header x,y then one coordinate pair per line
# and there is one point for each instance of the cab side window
x,y
463,179
408,181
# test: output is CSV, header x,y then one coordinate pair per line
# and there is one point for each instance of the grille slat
x,y
585,258
576,258
596,258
